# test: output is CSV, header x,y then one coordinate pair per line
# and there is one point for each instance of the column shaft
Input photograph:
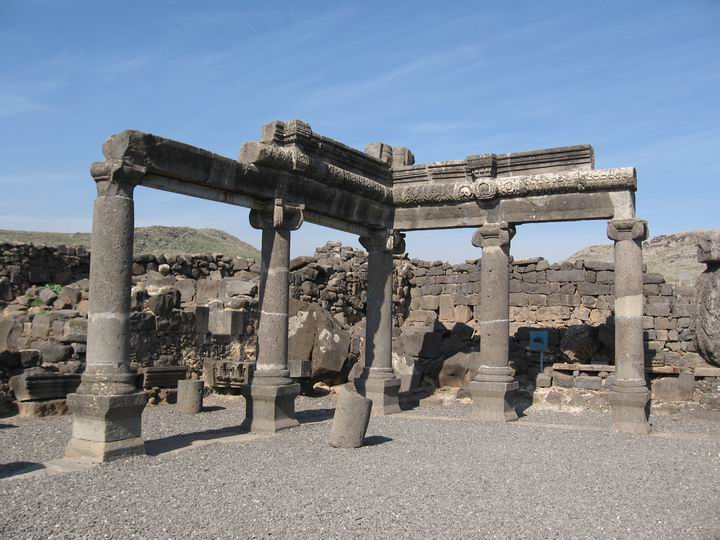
x,y
108,345
272,351
271,395
378,332
107,408
629,397
494,314
493,385
378,381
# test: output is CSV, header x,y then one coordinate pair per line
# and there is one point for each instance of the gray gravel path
x,y
428,473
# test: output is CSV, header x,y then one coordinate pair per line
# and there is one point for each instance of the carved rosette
x,y
493,235
707,299
627,229
278,216
384,241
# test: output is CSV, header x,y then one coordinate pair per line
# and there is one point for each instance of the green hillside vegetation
x,y
154,240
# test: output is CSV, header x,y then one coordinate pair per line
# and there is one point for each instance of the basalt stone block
x,y
656,310
421,343
630,406
10,333
189,396
565,275
237,287
563,380
270,409
384,394
105,427
53,352
40,385
228,322
429,302
587,382
494,401
40,409
186,288
593,289
599,266
649,278
455,371
206,290
162,376
75,331
679,388
352,416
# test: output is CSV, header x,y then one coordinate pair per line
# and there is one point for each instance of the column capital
x,y
392,241
493,234
627,229
115,177
278,216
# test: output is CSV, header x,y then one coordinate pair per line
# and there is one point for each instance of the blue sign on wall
x,y
539,340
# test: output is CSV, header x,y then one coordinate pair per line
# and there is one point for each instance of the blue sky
x,y
638,80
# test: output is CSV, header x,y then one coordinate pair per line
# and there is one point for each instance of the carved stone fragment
x,y
707,299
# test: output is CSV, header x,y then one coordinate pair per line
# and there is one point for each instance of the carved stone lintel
x,y
278,216
116,177
627,229
493,234
478,185
392,241
481,165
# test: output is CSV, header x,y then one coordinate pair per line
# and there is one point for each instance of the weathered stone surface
x,y
456,371
421,342
352,416
315,336
189,396
674,388
707,301
42,385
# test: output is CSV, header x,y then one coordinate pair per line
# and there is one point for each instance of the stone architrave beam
x,y
361,192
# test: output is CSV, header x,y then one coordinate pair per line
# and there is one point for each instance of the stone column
x,y
629,397
107,407
271,395
493,385
378,381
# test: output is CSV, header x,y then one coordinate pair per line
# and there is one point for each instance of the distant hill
x,y
672,255
151,240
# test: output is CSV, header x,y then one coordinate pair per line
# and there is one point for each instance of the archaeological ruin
x,y
390,324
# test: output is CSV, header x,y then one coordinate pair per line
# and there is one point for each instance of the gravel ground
x,y
431,472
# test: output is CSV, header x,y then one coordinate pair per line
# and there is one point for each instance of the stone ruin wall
x,y
187,309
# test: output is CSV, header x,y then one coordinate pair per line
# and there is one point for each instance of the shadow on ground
x,y
155,447
19,467
314,415
376,440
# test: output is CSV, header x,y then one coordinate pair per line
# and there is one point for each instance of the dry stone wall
x,y
188,310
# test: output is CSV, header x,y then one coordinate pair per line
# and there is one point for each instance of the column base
x,y
492,400
105,427
630,406
270,409
382,392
